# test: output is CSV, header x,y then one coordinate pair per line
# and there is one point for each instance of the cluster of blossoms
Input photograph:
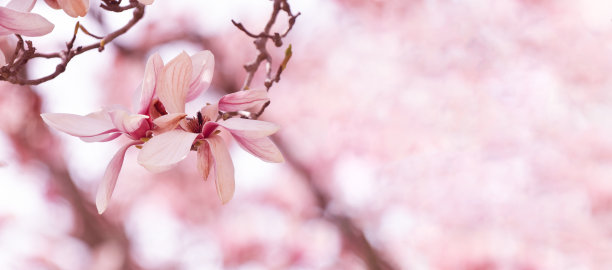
x,y
15,17
160,127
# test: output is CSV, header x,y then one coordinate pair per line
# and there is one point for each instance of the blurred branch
x,y
25,50
352,234
32,140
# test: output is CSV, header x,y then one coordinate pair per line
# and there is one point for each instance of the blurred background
x,y
424,134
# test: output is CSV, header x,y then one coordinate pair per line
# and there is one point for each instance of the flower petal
x,y
168,122
152,70
21,5
101,138
210,112
74,8
223,168
52,4
262,148
105,190
205,160
163,151
134,125
242,100
146,2
2,59
249,128
174,83
77,125
203,68
24,23
208,128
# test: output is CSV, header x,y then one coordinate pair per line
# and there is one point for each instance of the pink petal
x,y
208,128
101,138
74,8
77,125
262,148
174,83
134,125
102,115
210,112
249,128
203,68
105,190
2,59
168,122
163,151
205,160
21,5
52,4
242,100
24,23
146,2
152,69
223,168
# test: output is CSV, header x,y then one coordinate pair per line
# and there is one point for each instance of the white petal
x,y
105,190
223,168
77,125
163,151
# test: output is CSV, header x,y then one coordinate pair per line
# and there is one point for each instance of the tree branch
x,y
23,54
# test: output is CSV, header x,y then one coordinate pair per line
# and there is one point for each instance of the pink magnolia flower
x,y
74,8
201,133
16,18
150,118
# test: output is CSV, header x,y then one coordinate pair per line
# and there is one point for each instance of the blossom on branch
x,y
201,133
16,18
166,135
74,8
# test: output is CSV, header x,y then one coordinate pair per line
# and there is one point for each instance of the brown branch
x,y
262,39
11,72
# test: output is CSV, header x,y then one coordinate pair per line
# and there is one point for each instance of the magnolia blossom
x,y
16,18
74,8
201,133
149,117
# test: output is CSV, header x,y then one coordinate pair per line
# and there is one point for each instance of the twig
x,y
261,40
11,71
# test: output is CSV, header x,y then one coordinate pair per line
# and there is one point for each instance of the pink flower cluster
x,y
161,128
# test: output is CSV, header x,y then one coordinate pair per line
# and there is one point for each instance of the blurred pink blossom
x,y
74,8
16,18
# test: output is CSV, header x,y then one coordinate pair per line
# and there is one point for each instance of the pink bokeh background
x,y
452,134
